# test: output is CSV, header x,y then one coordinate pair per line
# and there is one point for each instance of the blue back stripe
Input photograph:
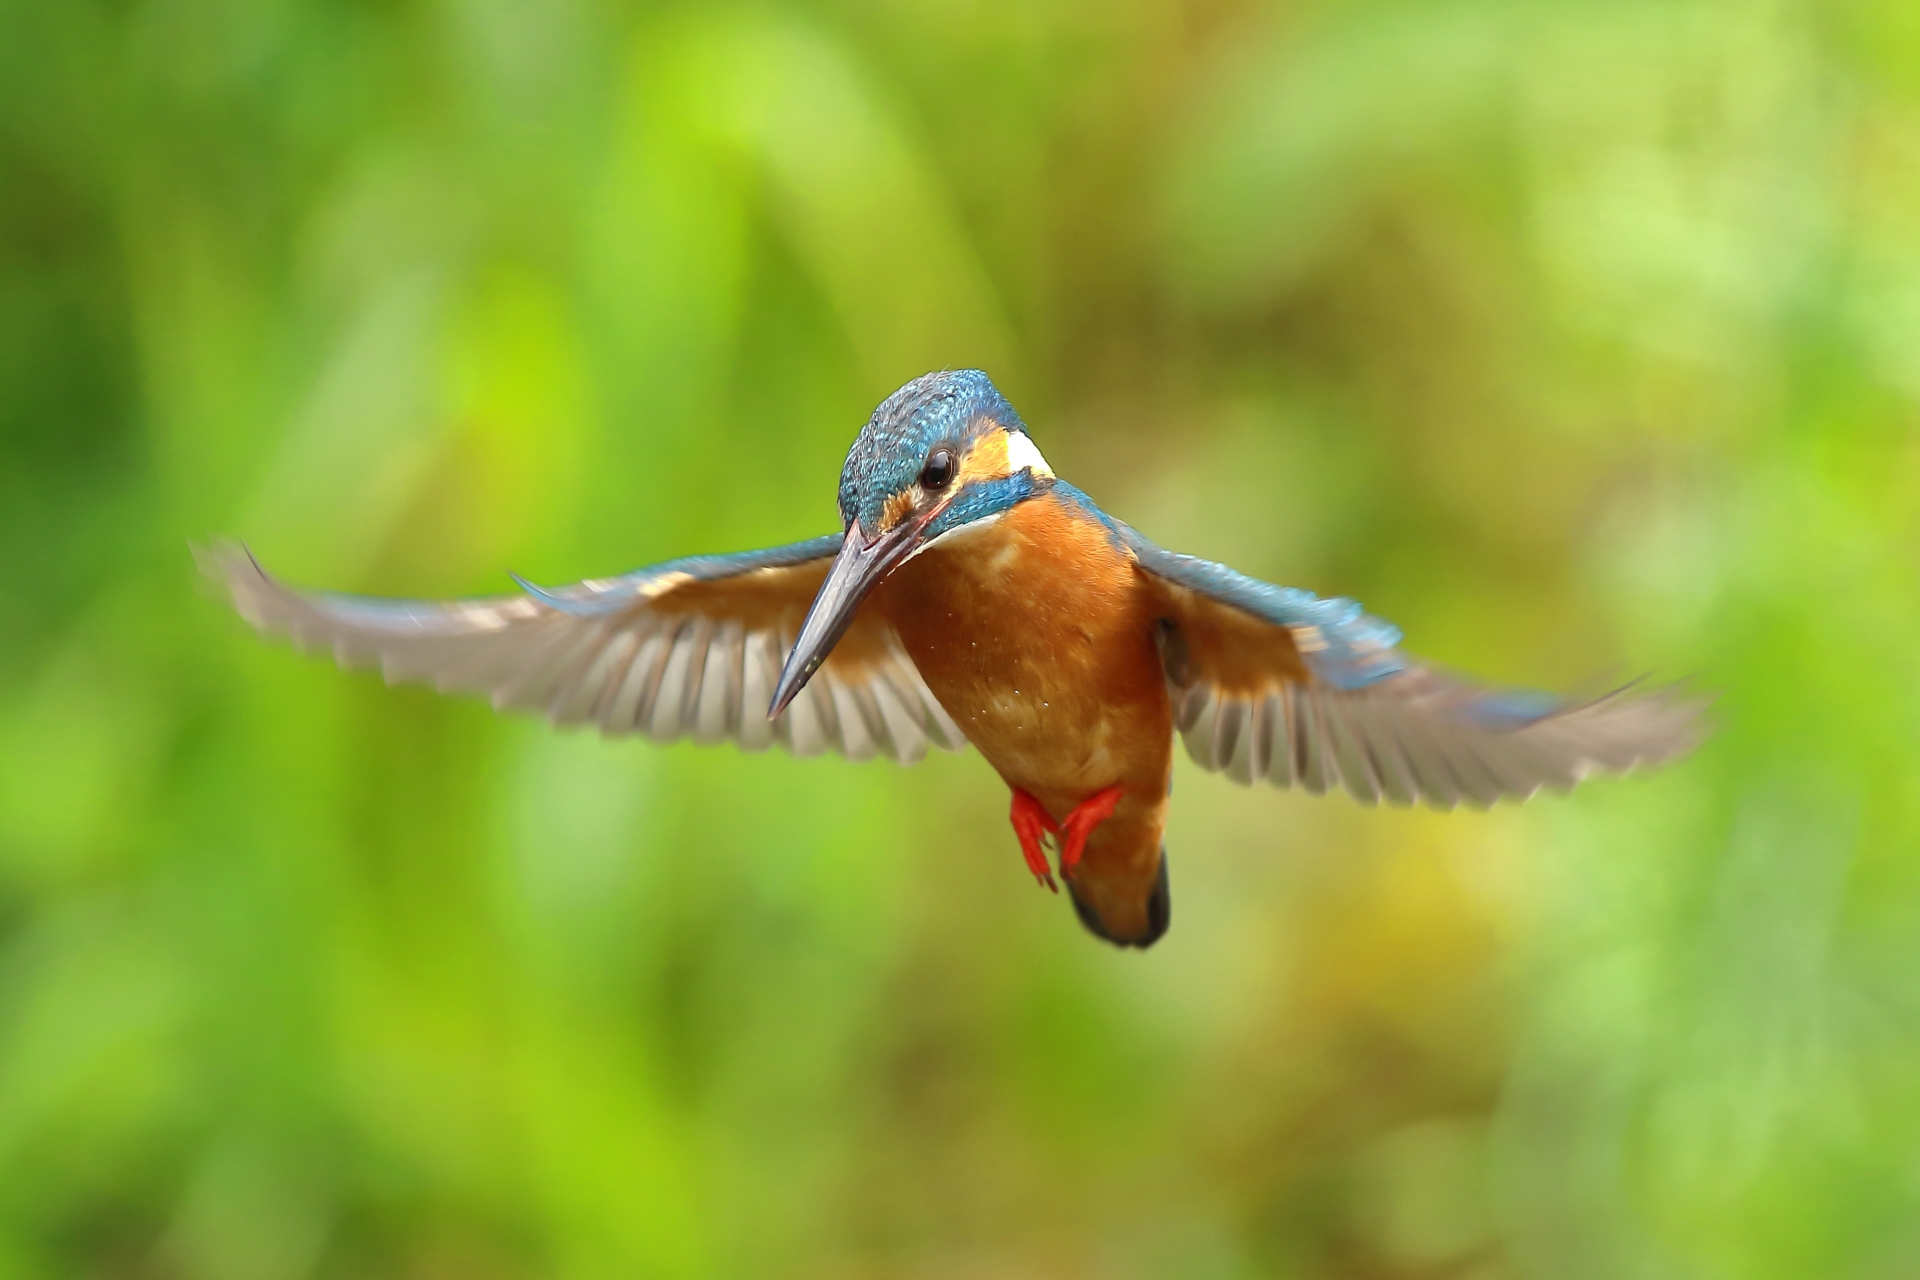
x,y
599,596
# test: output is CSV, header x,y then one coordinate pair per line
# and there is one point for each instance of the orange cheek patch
x,y
987,460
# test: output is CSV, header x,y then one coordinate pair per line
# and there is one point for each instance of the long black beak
x,y
857,570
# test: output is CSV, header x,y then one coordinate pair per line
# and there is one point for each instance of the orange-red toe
x,y
1080,824
1030,821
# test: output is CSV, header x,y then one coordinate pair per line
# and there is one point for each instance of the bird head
x,y
943,452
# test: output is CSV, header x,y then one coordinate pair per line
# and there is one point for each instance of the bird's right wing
x,y
689,648
1278,684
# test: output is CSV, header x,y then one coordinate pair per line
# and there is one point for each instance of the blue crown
x,y
950,407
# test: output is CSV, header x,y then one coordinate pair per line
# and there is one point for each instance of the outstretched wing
x,y
689,648
1276,683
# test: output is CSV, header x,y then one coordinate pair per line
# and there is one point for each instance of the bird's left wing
x,y
1276,683
689,648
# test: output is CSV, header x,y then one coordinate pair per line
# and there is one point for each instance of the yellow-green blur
x,y
1581,339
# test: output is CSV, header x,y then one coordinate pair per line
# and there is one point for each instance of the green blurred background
x,y
1579,337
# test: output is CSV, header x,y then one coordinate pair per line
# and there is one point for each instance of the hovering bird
x,y
974,596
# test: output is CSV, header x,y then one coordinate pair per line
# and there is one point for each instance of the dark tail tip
x,y
1159,912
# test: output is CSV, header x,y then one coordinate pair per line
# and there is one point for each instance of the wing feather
x,y
859,739
669,695
758,674
806,736
691,648
716,714
1379,735
1280,756
1314,761
624,716
574,700
1275,683
1350,751
905,732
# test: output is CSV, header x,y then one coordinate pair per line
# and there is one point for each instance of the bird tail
x,y
1153,921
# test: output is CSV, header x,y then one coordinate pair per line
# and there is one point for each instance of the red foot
x,y
1030,819
1086,815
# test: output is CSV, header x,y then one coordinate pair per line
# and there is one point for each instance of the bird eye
x,y
938,473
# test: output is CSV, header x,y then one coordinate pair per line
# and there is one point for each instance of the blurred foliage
x,y
1579,338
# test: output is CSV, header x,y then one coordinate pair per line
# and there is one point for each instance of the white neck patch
x,y
1022,453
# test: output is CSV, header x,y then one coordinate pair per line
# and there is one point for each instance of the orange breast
x,y
1037,636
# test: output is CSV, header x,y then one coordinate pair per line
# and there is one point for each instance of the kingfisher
x,y
973,596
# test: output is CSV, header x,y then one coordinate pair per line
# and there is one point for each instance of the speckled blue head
x,y
949,408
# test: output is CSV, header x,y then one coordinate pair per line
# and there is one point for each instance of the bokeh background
x,y
1579,337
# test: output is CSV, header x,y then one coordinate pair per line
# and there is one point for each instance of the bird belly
x,y
1035,636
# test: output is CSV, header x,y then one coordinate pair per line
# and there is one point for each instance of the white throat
x,y
1023,453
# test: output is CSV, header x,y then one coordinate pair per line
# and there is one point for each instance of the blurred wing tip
x,y
1675,716
218,558
230,566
